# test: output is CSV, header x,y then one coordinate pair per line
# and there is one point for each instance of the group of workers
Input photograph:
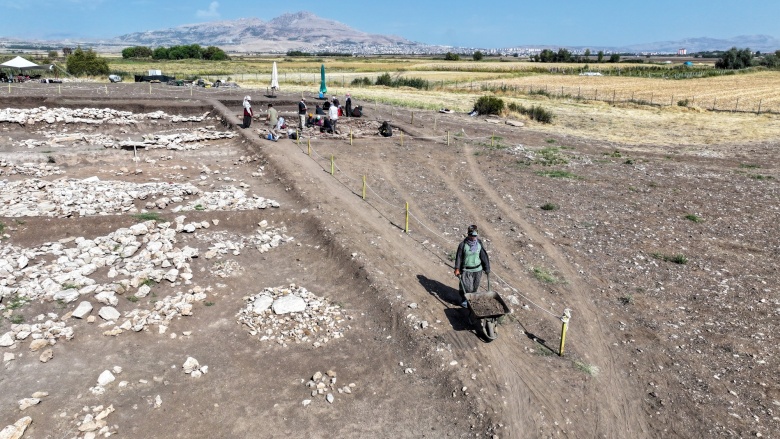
x,y
325,117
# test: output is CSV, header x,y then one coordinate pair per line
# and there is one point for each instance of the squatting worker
x,y
247,111
272,118
302,113
470,261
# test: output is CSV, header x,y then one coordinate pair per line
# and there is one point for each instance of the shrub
x,y
477,56
452,56
361,82
734,59
489,105
535,112
86,63
384,79
683,103
549,206
137,52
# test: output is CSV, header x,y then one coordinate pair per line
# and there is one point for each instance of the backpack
x,y
385,130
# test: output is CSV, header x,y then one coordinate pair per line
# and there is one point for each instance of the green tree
x,y
160,53
563,55
735,59
547,55
771,60
213,53
452,56
587,55
489,105
478,55
614,58
87,62
52,54
600,56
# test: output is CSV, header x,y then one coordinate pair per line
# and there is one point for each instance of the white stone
x,y
262,303
67,296
105,378
157,401
288,304
7,340
107,298
330,398
143,291
82,310
190,365
28,402
17,429
109,313
8,356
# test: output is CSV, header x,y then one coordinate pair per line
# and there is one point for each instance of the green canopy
x,y
323,88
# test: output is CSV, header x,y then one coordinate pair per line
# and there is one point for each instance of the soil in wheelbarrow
x,y
485,305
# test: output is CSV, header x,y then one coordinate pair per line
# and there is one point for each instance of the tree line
x,y
191,51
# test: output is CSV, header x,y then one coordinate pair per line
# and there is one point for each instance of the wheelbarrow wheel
x,y
488,327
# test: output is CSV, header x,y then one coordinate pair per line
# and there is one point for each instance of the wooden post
x,y
759,105
350,136
613,96
714,102
492,136
364,187
298,136
402,138
736,105
564,326
651,97
150,88
406,227
106,89
448,137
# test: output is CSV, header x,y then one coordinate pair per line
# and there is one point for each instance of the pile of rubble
x,y
31,116
94,424
192,368
228,198
90,196
137,254
264,239
42,335
292,315
30,169
179,141
324,385
162,313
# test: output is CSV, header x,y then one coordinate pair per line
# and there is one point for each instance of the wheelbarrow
x,y
485,308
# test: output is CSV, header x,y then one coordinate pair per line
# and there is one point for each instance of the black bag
x,y
385,130
357,111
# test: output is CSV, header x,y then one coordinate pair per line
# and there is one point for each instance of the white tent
x,y
19,63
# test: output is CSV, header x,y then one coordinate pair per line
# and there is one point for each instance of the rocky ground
x,y
169,266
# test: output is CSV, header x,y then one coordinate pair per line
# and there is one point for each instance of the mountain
x,y
764,43
300,30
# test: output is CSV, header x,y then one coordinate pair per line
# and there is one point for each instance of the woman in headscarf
x,y
247,111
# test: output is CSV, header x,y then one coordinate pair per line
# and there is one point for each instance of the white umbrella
x,y
274,78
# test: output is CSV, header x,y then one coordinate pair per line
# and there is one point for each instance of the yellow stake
x,y
448,137
402,138
364,187
332,165
491,138
406,229
309,147
150,88
564,325
298,136
59,87
106,89
350,136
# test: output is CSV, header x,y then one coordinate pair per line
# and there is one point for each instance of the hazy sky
x,y
497,23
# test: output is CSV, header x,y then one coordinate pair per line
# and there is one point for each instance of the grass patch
x,y
628,299
199,207
132,299
451,255
543,350
748,166
17,319
148,282
550,156
544,276
760,177
209,303
549,206
694,218
558,174
550,140
587,368
615,154
677,259
2,228
17,302
69,286
628,162
147,216
534,112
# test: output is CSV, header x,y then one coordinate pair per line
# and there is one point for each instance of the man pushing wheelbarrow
x,y
484,308
470,261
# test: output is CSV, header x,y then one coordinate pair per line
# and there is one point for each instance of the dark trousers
x,y
247,120
469,281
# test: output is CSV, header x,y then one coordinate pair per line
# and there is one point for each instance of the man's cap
x,y
473,230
